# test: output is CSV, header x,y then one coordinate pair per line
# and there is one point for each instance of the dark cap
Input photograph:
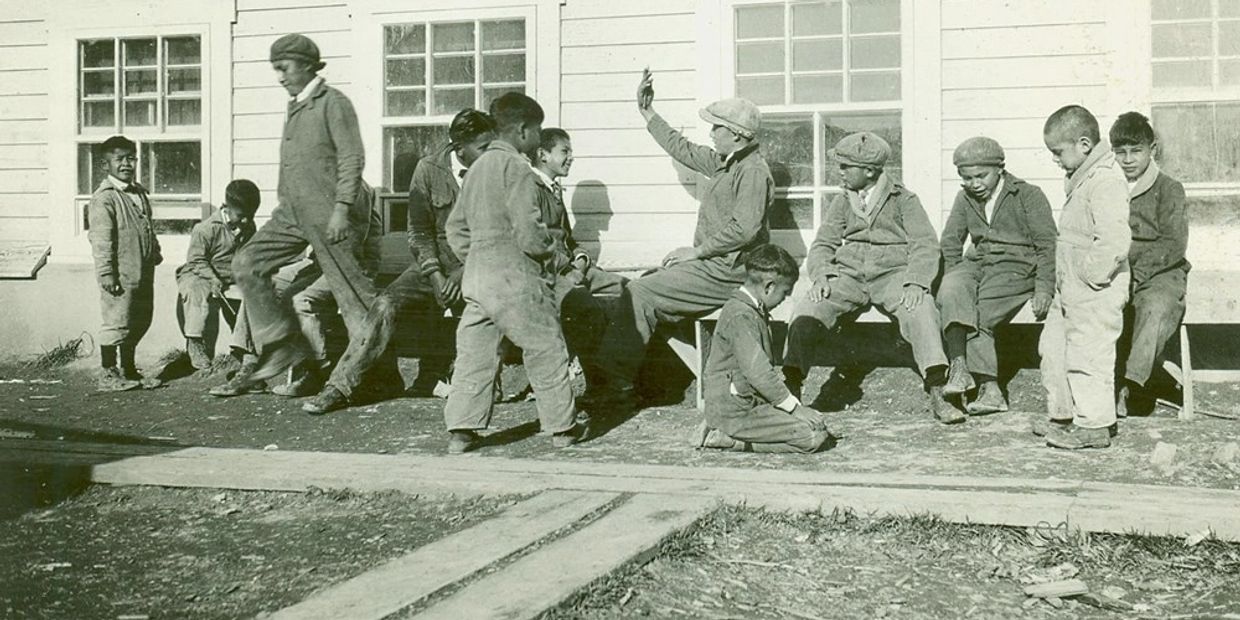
x,y
297,47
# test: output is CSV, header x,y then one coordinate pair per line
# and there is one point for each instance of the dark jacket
x,y
211,249
740,373
321,158
432,192
1023,229
122,235
555,214
1159,223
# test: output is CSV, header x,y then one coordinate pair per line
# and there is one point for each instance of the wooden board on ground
x,y
531,585
410,578
21,260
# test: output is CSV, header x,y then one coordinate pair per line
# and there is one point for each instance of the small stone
x,y
270,447
1226,453
1163,455
1114,592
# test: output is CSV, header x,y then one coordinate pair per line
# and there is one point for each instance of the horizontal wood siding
x,y
24,135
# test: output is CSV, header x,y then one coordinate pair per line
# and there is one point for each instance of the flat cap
x,y
861,149
296,47
739,115
978,151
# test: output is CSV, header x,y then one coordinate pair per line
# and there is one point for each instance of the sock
x,y
107,355
126,356
984,379
954,338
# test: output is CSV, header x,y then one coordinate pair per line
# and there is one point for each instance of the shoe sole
x,y
972,410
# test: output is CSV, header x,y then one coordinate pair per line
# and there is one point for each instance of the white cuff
x,y
789,404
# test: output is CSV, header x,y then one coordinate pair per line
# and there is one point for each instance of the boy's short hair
x,y
243,194
769,258
516,110
552,136
1072,121
1131,128
468,124
117,143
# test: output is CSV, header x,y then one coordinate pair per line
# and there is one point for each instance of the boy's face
x,y
857,178
469,152
558,160
979,182
292,75
528,139
726,142
1134,159
120,164
236,217
774,290
1068,152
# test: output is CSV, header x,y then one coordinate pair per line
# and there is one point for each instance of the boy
x,y
497,230
1012,258
1091,281
433,281
748,407
1159,227
126,251
207,271
875,247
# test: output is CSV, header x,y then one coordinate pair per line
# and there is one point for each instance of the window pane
x,y
99,83
97,53
1180,9
406,72
1229,38
139,113
1229,8
397,214
184,80
172,167
791,214
404,146
1187,141
406,103
506,35
453,101
1227,136
453,70
503,68
183,51
1182,40
1182,73
759,21
817,18
818,55
89,174
836,126
453,37
787,143
99,114
493,93
184,112
874,53
1229,72
874,16
140,53
874,86
761,90
140,82
405,39
760,57
817,88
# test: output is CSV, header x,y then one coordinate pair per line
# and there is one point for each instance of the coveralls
x,y
1159,225
207,269
1091,281
735,196
497,229
742,384
124,246
1012,258
869,249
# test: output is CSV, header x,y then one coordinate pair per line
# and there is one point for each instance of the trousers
x,y
1151,319
980,295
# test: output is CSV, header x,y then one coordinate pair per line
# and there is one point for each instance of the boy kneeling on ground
x,y
748,407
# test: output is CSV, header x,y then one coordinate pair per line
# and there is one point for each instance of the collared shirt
x,y
133,190
552,184
989,207
305,92
458,168
787,404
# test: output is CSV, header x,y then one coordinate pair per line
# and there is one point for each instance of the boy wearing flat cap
x,y
1008,229
321,162
875,247
693,281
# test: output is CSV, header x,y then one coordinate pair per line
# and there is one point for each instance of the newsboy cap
x,y
739,115
861,149
978,151
297,47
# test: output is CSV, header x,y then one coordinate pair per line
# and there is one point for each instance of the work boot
x,y
280,355
989,400
697,437
959,380
199,357
943,410
330,399
1133,399
1074,437
241,382
564,439
308,379
113,380
462,441
1041,427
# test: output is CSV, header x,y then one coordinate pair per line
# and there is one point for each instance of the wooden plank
x,y
1010,132
595,197
259,125
32,228
24,132
261,151
1212,298
628,59
23,181
244,6
23,32
335,43
621,86
406,580
22,157
622,142
628,30
1186,384
1025,41
24,57
301,18
24,107
535,583
982,103
1004,13
590,171
621,114
24,82
22,260
594,9
1035,71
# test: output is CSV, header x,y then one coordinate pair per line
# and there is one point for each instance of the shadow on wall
x,y
592,212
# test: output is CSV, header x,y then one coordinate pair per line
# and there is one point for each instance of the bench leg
x,y
1186,370
701,363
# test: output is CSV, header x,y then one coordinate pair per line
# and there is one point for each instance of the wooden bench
x,y
1211,301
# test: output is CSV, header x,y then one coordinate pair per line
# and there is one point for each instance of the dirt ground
x,y
746,563
140,552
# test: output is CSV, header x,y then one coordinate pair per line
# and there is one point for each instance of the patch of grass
x,y
62,354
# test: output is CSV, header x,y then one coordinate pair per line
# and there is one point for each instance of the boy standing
x,y
1012,258
875,247
748,407
510,266
1091,279
1159,226
207,271
126,251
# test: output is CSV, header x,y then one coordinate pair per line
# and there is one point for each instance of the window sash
x,y
119,97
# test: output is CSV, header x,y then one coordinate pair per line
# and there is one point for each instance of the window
x,y
1196,83
431,71
819,71
151,90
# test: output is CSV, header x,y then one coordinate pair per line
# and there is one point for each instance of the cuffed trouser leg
x,y
919,326
275,245
957,298
1092,322
811,324
768,429
1157,308
198,307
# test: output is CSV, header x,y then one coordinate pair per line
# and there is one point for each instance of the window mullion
x,y
820,163
430,67
478,64
118,73
787,52
846,48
